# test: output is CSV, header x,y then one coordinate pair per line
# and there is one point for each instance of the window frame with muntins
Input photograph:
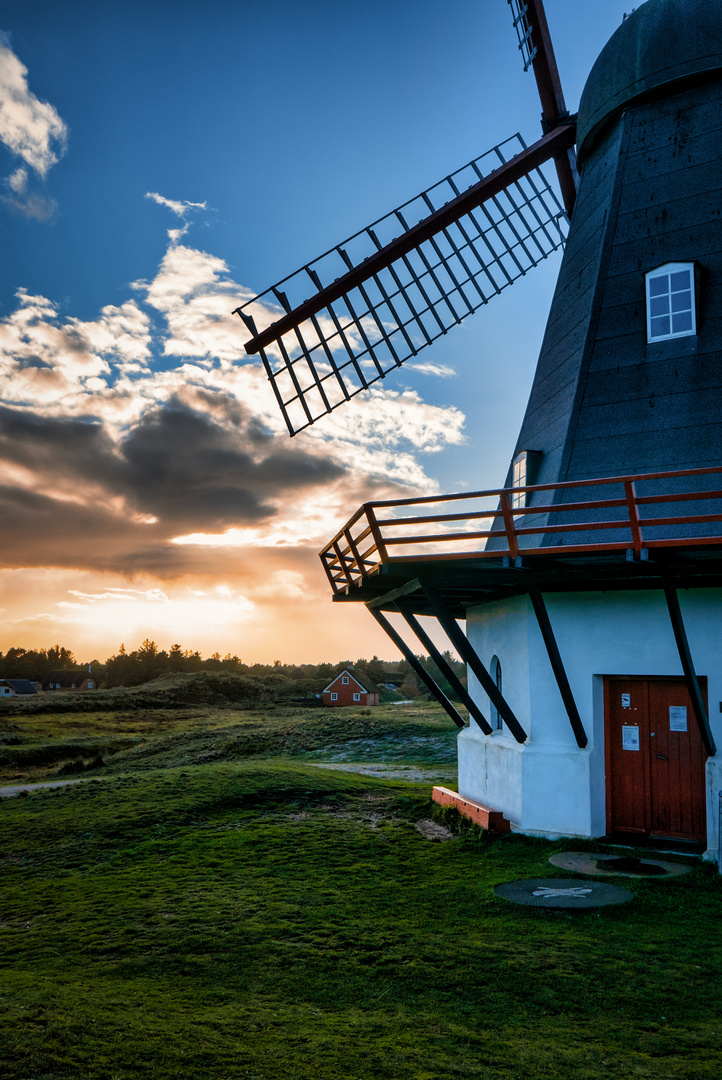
x,y
518,479
664,323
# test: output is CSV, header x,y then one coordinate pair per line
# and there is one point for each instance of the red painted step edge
x,y
484,816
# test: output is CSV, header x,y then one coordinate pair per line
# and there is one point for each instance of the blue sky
x,y
289,126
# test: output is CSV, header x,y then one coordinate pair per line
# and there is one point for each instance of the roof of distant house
x,y
67,678
361,678
20,686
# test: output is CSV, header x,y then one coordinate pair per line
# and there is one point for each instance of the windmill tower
x,y
591,584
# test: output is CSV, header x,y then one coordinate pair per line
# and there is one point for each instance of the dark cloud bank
x,y
90,499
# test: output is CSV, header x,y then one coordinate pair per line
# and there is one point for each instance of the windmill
x,y
591,583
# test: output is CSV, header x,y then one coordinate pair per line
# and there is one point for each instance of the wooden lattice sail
x,y
347,319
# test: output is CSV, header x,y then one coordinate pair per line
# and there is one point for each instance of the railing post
x,y
376,532
633,510
342,562
329,573
509,525
360,565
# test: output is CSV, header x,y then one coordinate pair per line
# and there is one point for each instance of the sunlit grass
x,y
261,918
36,748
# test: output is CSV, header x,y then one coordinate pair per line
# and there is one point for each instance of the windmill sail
x,y
523,27
393,288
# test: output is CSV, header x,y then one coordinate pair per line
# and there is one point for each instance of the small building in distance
x,y
16,688
351,687
69,681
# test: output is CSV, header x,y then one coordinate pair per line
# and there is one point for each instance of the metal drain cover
x,y
556,893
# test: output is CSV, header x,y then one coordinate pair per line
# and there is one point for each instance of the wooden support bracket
x,y
467,653
555,659
422,673
685,655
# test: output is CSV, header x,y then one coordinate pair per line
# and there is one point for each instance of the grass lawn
x,y
194,909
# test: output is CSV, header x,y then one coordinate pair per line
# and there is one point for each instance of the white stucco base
x,y
548,786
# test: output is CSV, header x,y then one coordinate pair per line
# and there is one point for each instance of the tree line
x,y
148,662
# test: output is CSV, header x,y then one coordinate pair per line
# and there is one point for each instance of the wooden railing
x,y
493,524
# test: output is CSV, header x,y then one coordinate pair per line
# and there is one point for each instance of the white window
x,y
518,480
334,697
671,302
344,680
357,697
91,684
496,720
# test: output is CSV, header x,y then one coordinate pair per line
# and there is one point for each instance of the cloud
x,y
24,200
443,371
144,441
180,207
31,130
133,595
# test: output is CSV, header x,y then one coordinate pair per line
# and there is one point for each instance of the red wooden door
x,y
677,763
655,760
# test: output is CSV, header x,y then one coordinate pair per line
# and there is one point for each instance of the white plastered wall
x,y
548,785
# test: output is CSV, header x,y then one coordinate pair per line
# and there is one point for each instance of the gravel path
x,y
8,792
387,771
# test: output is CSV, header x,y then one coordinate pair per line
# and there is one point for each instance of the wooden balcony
x,y
642,520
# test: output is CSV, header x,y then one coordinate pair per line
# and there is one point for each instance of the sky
x,y
161,163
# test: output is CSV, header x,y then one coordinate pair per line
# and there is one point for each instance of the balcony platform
x,y
612,533
470,582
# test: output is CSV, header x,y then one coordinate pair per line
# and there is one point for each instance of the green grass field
x,y
207,903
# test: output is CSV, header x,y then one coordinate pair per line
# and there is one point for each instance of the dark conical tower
x,y
629,378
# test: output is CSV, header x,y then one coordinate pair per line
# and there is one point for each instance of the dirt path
x,y
8,792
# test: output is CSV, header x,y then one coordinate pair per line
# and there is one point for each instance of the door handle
x,y
661,757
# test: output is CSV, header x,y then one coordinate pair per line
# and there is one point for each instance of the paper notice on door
x,y
677,717
626,701
630,737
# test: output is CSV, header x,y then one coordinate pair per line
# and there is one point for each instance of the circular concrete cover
x,y
557,893
584,862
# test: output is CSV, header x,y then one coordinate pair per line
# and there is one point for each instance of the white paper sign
x,y
677,717
626,701
630,737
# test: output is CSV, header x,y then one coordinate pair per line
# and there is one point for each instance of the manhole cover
x,y
562,893
583,862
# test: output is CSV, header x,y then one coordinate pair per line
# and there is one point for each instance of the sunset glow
x,y
148,486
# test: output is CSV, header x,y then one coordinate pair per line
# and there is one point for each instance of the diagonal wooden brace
x,y
421,671
555,659
465,650
685,655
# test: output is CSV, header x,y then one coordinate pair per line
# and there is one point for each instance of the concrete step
x,y
481,815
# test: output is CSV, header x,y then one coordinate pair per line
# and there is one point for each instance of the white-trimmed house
x,y
351,687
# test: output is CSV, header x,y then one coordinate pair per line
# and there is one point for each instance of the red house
x,y
351,687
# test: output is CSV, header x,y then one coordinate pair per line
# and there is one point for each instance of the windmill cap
x,y
659,48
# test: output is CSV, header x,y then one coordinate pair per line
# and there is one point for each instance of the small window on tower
x,y
524,469
518,480
671,302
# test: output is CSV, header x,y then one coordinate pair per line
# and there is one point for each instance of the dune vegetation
x,y
206,902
